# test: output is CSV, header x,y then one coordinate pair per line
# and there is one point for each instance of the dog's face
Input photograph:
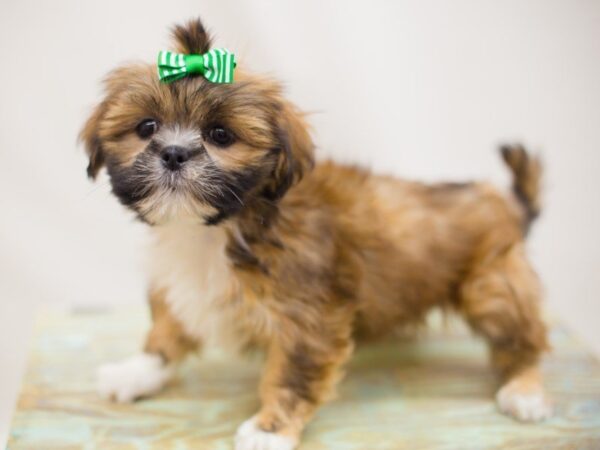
x,y
193,148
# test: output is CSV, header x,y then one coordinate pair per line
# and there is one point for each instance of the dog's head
x,y
193,148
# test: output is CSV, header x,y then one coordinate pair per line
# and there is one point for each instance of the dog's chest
x,y
189,262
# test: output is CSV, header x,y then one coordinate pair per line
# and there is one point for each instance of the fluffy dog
x,y
256,246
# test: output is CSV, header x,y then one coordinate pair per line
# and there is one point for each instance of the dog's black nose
x,y
174,157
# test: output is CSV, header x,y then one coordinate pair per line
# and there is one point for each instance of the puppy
x,y
255,245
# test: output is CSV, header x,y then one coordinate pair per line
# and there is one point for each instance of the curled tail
x,y
527,175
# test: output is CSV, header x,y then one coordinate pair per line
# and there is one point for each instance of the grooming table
x,y
433,393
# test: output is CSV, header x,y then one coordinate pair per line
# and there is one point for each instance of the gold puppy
x,y
256,246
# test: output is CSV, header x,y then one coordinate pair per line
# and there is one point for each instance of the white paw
x,y
132,378
250,437
532,406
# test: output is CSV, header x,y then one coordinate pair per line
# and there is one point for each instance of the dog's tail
x,y
527,177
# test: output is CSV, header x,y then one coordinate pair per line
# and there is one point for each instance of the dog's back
x,y
408,246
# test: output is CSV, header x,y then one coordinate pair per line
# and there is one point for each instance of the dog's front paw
x,y
138,376
250,437
524,403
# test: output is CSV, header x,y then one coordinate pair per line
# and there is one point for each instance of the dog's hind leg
x,y
500,300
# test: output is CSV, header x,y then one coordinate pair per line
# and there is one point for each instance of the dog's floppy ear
x,y
295,154
191,37
91,141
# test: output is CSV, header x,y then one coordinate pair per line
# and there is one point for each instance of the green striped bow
x,y
216,65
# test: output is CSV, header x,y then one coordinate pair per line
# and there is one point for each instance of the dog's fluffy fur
x,y
256,246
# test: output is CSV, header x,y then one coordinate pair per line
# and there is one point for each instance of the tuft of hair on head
x,y
191,37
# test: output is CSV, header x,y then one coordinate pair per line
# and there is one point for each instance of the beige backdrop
x,y
421,89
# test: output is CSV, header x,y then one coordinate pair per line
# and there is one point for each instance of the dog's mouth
x,y
159,194
174,181
197,181
174,195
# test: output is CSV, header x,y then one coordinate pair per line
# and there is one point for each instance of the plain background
x,y
421,89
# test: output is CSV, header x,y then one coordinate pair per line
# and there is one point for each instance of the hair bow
x,y
216,65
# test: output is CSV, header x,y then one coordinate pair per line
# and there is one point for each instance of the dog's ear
x,y
91,141
295,152
191,37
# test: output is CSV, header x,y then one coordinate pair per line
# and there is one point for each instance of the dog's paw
x,y
524,403
250,437
138,376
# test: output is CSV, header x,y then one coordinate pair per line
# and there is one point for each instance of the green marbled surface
x,y
433,393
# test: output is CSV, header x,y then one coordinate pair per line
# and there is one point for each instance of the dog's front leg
x,y
147,372
301,371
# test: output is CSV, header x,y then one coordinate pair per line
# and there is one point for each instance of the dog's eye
x,y
220,136
146,128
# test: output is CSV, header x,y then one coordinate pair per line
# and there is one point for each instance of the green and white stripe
x,y
216,65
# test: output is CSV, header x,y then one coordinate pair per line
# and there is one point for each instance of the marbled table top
x,y
432,393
